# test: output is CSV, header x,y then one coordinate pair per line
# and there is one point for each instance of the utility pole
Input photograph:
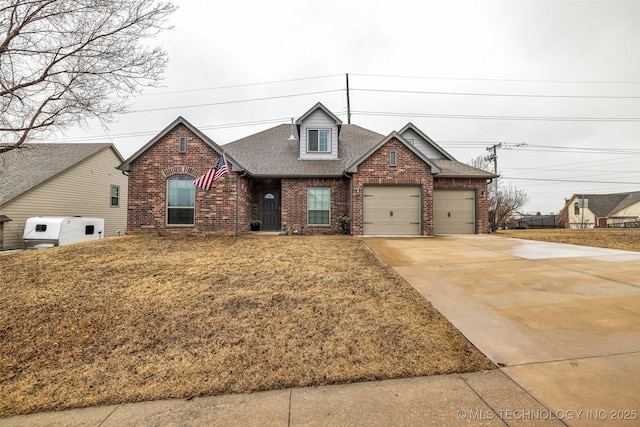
x,y
348,102
493,157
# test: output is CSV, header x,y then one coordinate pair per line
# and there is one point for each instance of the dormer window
x,y
318,140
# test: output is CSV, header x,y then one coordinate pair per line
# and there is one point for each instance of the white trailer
x,y
46,232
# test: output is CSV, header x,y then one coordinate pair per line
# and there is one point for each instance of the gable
x,y
423,143
397,137
178,146
318,131
179,128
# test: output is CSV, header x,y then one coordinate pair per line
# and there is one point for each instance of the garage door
x,y
391,210
454,211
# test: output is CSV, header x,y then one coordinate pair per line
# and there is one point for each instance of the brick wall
x,y
410,170
234,200
480,187
293,202
215,210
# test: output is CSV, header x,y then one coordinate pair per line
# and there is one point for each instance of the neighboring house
x,y
600,210
61,180
305,176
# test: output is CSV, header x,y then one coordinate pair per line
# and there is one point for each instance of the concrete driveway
x,y
562,321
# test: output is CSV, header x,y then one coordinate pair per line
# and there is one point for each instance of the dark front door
x,y
270,210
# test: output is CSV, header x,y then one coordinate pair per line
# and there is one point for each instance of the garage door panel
x,y
392,210
454,212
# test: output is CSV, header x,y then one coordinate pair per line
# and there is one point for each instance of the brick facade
x,y
234,200
409,170
216,210
294,202
480,187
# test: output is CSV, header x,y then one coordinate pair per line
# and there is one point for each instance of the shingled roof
x,y
455,169
271,153
25,168
603,205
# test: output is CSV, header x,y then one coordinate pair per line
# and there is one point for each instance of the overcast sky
x,y
562,77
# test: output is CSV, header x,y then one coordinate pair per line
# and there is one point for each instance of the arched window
x,y
576,208
181,200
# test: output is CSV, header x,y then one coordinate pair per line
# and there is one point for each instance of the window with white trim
x,y
181,200
318,206
115,196
319,140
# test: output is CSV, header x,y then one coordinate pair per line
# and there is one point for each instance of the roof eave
x,y
446,175
296,176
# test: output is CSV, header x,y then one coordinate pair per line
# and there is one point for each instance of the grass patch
x,y
612,238
146,317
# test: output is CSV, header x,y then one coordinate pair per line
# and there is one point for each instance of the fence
x,y
630,224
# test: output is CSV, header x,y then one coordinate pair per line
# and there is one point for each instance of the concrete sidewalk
x,y
479,398
562,321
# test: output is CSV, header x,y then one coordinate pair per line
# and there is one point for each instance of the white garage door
x,y
391,210
454,211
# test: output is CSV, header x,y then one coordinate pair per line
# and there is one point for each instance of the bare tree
x,y
481,162
508,201
63,61
503,204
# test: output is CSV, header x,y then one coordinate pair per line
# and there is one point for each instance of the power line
x,y
570,180
519,95
236,101
483,117
495,80
243,85
566,170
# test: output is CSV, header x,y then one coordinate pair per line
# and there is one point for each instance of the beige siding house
x,y
61,180
600,210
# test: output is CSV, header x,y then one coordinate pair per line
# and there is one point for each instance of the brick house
x,y
305,176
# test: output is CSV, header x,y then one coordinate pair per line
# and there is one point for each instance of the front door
x,y
270,210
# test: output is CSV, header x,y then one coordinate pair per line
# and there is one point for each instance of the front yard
x,y
612,238
148,317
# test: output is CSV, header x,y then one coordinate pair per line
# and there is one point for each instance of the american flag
x,y
206,181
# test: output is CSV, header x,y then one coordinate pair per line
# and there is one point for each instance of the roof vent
x,y
292,137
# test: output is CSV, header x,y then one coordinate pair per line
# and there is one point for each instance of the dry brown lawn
x,y
147,317
613,238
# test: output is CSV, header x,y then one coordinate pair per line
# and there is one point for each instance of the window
x,y
181,200
182,145
41,228
318,201
89,229
392,158
576,208
319,140
115,196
